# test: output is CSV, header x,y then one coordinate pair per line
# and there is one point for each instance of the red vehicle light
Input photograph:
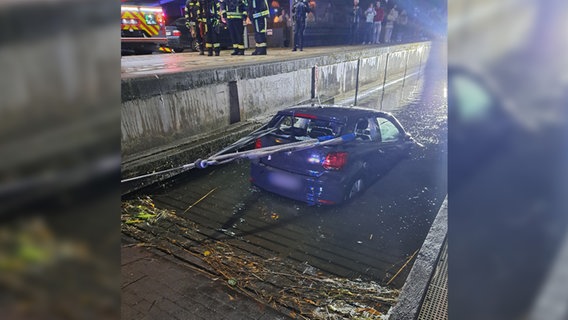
x,y
258,144
305,115
335,160
176,33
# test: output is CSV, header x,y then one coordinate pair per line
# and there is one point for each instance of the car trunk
x,y
306,162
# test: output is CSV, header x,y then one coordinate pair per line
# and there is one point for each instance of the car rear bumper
x,y
174,42
155,40
328,188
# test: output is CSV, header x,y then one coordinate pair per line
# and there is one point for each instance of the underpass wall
x,y
159,111
270,93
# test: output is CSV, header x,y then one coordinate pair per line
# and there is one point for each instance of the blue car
x,y
371,143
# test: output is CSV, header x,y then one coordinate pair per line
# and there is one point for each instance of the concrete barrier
x,y
160,110
418,280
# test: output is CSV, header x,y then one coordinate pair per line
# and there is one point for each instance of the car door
x,y
368,155
391,142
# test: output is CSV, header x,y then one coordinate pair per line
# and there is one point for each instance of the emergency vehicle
x,y
142,27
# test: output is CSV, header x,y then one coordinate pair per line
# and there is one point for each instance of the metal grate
x,y
435,305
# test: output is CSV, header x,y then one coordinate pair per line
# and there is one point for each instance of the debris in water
x,y
309,270
142,210
200,199
311,293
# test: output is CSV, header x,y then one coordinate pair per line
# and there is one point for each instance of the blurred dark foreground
x,y
508,160
60,146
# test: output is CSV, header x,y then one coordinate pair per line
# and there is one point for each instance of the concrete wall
x,y
159,110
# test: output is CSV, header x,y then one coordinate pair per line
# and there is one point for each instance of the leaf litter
x,y
301,290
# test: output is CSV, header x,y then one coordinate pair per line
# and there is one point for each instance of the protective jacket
x,y
195,21
213,21
233,9
234,12
258,12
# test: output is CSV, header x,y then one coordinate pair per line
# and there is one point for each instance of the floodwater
x,y
369,238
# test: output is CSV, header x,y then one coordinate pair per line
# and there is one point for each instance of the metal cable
x,y
219,158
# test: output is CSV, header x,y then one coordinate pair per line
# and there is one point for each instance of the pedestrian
x,y
213,23
355,21
328,13
195,22
286,24
377,22
234,12
391,18
300,11
258,12
387,6
369,19
401,26
312,15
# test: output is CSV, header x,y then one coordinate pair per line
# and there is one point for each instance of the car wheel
x,y
356,188
177,49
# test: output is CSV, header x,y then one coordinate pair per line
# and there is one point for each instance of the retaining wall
x,y
159,110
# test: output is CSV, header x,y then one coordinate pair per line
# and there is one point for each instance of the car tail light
x,y
176,33
258,144
335,160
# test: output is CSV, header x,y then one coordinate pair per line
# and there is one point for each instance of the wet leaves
x,y
370,311
298,289
142,210
309,292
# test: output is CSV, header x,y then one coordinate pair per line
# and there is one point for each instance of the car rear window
x,y
305,127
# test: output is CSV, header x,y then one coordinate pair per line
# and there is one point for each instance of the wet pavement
x,y
158,64
368,239
157,286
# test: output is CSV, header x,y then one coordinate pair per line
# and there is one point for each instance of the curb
x,y
415,286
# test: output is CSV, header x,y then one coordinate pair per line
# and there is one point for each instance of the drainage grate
x,y
435,305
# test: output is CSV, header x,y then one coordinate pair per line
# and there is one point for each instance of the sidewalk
x,y
157,286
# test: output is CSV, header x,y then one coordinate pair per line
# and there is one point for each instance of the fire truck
x,y
142,27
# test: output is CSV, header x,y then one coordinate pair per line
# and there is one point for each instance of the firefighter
x,y
299,14
213,27
195,22
234,12
258,12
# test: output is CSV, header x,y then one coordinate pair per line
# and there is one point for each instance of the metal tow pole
x,y
220,158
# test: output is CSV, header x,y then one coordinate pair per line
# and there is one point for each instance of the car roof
x,y
334,111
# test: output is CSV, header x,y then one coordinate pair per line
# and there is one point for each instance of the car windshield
x,y
306,127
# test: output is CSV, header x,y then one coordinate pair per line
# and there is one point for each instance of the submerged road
x,y
369,238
